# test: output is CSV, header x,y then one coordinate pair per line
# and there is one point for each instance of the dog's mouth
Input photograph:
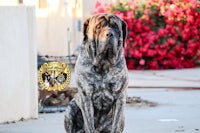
x,y
110,56
107,57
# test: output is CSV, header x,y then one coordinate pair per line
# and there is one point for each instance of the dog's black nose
x,y
109,33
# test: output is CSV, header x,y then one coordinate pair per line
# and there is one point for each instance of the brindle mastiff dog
x,y
102,79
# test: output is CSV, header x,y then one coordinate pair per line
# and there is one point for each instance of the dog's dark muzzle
x,y
107,55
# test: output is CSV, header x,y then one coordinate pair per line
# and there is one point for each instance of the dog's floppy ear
x,y
85,38
124,30
85,25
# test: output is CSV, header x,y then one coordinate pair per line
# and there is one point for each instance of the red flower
x,y
161,32
130,64
190,19
129,14
146,11
142,62
169,14
171,41
100,10
98,4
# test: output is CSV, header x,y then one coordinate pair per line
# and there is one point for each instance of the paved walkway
x,y
183,78
187,78
177,112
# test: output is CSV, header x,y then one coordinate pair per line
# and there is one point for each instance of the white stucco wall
x,y
18,70
52,23
8,2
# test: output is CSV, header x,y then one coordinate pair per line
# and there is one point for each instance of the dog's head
x,y
104,38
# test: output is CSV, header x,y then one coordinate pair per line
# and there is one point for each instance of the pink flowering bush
x,y
162,34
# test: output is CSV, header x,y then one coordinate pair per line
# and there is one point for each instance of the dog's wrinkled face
x,y
104,37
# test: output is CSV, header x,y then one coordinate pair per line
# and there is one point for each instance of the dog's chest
x,y
103,97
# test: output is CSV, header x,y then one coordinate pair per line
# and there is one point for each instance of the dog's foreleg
x,y
68,120
70,115
86,106
118,114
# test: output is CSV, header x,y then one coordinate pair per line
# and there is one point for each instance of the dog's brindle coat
x,y
101,75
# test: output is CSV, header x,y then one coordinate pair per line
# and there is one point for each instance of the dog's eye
x,y
115,26
98,26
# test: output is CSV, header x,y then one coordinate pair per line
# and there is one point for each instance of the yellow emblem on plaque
x,y
54,76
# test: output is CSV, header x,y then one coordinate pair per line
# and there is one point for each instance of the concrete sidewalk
x,y
183,78
178,112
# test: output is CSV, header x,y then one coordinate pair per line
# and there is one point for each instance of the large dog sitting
x,y
101,75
